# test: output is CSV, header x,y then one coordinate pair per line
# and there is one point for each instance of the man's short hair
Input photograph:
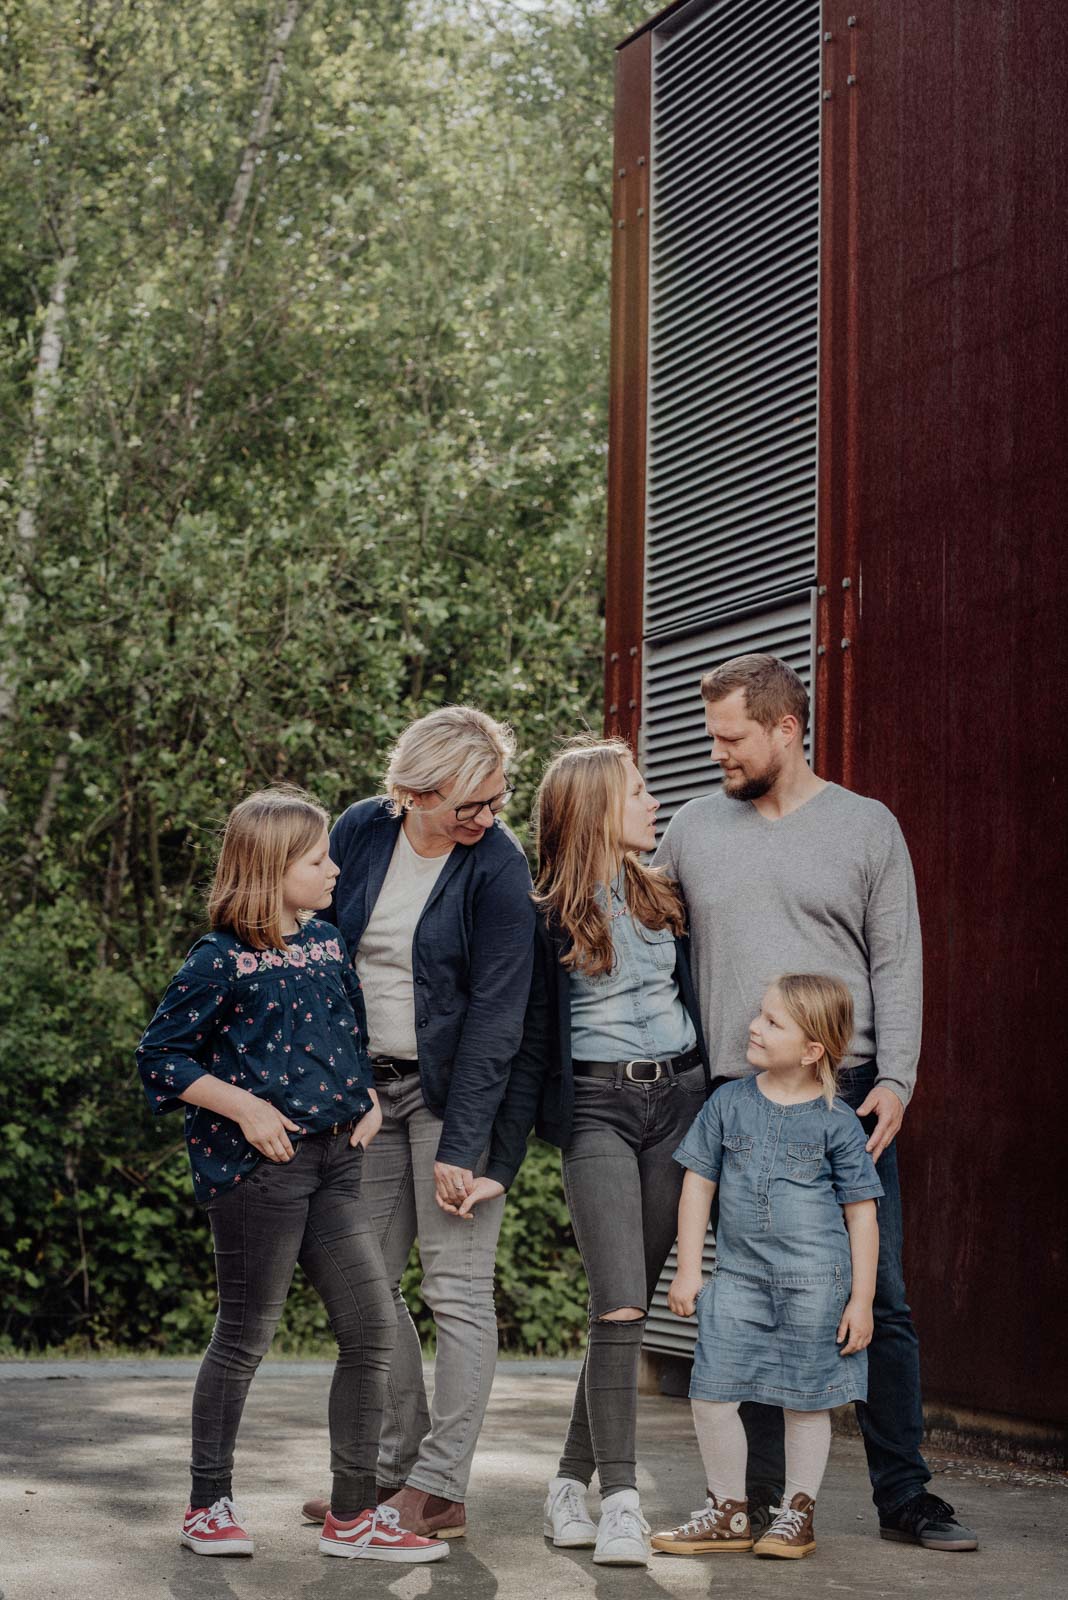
x,y
772,689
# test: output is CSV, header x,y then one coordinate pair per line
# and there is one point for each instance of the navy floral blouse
x,y
287,1026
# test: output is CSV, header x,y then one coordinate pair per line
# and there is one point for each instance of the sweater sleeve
x,y
519,1108
174,1048
499,966
895,959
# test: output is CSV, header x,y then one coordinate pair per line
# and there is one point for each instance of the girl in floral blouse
x,y
260,1038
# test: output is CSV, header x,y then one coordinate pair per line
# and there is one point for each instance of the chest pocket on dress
x,y
803,1161
738,1147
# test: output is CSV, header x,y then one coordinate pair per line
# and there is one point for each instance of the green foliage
x,y
311,463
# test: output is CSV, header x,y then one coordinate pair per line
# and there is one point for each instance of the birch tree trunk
x,y
42,404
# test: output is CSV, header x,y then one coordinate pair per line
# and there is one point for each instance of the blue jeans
x,y
891,1419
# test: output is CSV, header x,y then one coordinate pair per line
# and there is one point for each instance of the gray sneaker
x,y
623,1534
567,1521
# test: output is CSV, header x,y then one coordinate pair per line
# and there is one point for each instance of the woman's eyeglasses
x,y
471,808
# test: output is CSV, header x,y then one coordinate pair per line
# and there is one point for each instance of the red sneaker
x,y
377,1535
216,1530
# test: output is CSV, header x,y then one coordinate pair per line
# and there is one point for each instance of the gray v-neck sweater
x,y
827,888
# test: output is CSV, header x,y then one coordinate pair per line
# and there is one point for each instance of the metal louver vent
x,y
730,529
731,513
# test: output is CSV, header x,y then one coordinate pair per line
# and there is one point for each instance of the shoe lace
x,y
572,1503
926,1507
625,1522
786,1520
224,1513
386,1516
706,1516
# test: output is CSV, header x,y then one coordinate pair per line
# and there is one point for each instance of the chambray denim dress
x,y
768,1316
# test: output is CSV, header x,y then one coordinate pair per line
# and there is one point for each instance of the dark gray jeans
x,y
305,1210
622,1186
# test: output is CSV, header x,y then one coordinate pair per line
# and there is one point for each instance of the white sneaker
x,y
623,1535
567,1521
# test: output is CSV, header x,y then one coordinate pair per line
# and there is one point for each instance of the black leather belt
x,y
641,1069
387,1069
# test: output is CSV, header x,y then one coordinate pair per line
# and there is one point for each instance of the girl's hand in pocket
x,y
265,1128
368,1125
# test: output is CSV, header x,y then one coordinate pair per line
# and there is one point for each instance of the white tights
x,y
721,1438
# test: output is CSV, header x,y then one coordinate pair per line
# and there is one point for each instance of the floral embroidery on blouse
x,y
289,1026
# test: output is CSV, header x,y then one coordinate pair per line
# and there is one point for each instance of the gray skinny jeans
x,y
622,1186
431,1448
309,1210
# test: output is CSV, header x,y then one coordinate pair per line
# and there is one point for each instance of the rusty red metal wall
x,y
944,504
628,385
943,540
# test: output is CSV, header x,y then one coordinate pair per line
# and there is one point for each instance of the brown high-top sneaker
x,y
429,1514
718,1525
790,1534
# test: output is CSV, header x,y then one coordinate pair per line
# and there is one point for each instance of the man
x,y
785,872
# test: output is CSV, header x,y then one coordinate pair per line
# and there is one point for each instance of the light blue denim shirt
x,y
635,1010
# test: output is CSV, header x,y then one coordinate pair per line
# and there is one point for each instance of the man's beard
x,y
754,788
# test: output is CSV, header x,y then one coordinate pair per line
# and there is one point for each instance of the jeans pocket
x,y
803,1161
737,1148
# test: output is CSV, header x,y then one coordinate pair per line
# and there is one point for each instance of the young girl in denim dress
x,y
787,1315
259,1039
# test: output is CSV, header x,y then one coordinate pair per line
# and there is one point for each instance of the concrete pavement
x,y
93,1484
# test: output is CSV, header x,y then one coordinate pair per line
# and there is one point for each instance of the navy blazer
x,y
471,962
541,1090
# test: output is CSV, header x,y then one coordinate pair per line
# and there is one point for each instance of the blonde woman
x,y
433,898
612,1068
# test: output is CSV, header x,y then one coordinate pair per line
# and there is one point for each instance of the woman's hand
x,y
682,1296
855,1327
481,1189
451,1185
265,1129
369,1124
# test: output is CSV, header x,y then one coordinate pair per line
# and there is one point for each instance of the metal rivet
x,y
845,644
614,656
612,709
851,22
847,583
622,172
641,161
631,704
851,79
619,224
634,649
828,94
822,589
641,211
821,649
827,37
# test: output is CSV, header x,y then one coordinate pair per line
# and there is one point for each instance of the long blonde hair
x,y
822,1007
264,835
578,825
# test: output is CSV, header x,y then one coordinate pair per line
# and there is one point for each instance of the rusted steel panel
x,y
943,488
624,577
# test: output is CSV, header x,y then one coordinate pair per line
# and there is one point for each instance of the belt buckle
x,y
384,1064
643,1061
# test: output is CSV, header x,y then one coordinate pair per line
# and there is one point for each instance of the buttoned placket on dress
x,y
772,1135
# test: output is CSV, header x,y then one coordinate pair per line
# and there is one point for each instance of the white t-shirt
x,y
384,955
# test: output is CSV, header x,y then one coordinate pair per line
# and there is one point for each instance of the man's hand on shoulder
x,y
889,1113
